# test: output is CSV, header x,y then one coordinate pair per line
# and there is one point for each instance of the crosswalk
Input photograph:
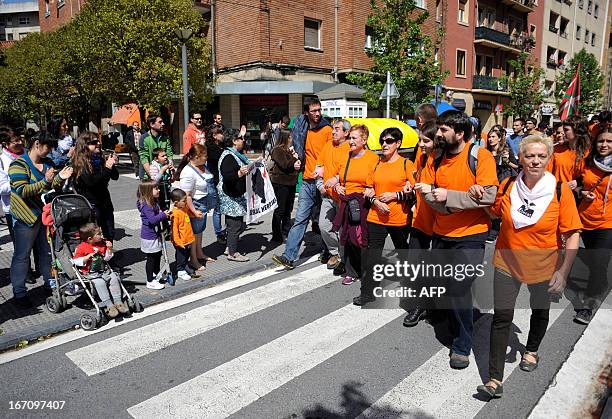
x,y
262,371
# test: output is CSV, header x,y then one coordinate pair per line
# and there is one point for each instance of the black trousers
x,y
598,245
418,251
182,257
505,291
152,264
235,227
105,218
377,235
281,219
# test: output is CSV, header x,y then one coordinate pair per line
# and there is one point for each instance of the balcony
x,y
496,39
524,6
489,83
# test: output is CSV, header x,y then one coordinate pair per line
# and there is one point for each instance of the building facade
x,y
566,27
17,20
55,13
607,63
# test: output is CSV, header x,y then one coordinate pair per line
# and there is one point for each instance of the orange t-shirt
x,y
595,214
563,164
182,233
391,177
360,172
423,216
330,159
531,254
315,141
454,174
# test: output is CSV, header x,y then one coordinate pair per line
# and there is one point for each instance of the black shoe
x,y
222,240
491,392
282,260
529,366
459,362
276,239
30,280
23,303
414,316
324,257
584,316
363,299
339,270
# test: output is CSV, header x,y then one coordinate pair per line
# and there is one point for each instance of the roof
x,y
341,91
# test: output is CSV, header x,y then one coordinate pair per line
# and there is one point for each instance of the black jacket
x,y
94,186
233,185
214,153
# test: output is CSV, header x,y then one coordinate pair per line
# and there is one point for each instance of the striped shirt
x,y
27,185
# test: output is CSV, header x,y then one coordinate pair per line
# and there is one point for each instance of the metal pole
x,y
336,41
185,88
213,37
388,94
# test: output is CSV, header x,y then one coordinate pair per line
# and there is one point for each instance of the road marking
x,y
230,387
150,311
118,350
437,390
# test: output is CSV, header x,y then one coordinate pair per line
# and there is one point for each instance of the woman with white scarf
x,y
535,211
596,214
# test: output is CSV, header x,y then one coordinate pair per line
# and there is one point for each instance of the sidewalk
x,y
17,325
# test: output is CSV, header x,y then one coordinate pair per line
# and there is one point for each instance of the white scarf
x,y
527,206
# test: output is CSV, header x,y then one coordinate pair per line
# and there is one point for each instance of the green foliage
x,y
524,87
399,46
113,51
591,81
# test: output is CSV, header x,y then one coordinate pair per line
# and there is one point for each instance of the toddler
x,y
161,170
90,256
182,235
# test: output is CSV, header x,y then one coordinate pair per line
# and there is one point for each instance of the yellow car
x,y
377,125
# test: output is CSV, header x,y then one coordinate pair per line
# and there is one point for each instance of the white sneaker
x,y
155,285
183,275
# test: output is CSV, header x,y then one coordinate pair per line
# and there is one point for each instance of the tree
x,y
591,81
399,46
524,86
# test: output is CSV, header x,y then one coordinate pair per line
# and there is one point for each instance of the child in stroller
x,y
91,257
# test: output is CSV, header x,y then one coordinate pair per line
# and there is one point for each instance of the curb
x,y
11,341
576,389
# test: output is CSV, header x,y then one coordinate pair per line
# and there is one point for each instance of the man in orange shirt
x,y
327,165
194,133
461,224
309,135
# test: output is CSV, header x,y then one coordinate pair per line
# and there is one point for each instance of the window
x,y
333,112
24,20
47,9
581,4
596,11
436,55
486,17
22,35
60,3
578,32
484,65
586,36
460,71
369,34
9,21
593,39
561,59
2,21
2,36
590,7
355,112
421,4
312,34
532,30
439,10
463,11
9,36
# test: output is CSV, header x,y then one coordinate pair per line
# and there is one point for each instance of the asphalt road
x,y
277,345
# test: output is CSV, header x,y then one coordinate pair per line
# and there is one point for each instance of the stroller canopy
x,y
71,210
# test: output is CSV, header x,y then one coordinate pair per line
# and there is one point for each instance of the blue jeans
x,y
28,238
308,198
198,225
213,202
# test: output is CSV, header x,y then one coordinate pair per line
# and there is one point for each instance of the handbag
x,y
354,208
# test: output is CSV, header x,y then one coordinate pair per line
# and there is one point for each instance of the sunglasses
x,y
93,142
388,141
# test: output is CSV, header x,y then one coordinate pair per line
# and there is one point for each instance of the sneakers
x,y
361,299
282,260
459,362
111,311
122,308
413,317
333,261
155,285
583,316
340,269
183,275
348,280
226,251
222,240
237,257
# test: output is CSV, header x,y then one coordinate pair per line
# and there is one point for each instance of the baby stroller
x,y
67,213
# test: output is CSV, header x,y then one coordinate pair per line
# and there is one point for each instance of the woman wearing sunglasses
x,y
389,213
92,172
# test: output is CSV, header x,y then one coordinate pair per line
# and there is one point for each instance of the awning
x,y
126,115
377,125
459,104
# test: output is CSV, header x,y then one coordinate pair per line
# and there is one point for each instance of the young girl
x,y
150,233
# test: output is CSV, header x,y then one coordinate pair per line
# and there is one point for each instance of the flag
x,y
571,98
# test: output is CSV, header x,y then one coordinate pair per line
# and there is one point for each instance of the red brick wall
x,y
459,36
59,16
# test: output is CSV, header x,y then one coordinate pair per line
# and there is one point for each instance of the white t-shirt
x,y
195,182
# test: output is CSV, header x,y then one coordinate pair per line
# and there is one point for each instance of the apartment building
x,y
567,26
607,63
55,13
17,20
482,36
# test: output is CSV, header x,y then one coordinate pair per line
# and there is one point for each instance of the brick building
x,y
17,20
481,37
55,13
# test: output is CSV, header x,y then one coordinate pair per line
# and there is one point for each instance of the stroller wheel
x,y
54,305
63,301
135,305
88,321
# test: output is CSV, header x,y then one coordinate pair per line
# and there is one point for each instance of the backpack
x,y
513,178
472,158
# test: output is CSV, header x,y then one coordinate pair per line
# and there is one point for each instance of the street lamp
x,y
183,35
